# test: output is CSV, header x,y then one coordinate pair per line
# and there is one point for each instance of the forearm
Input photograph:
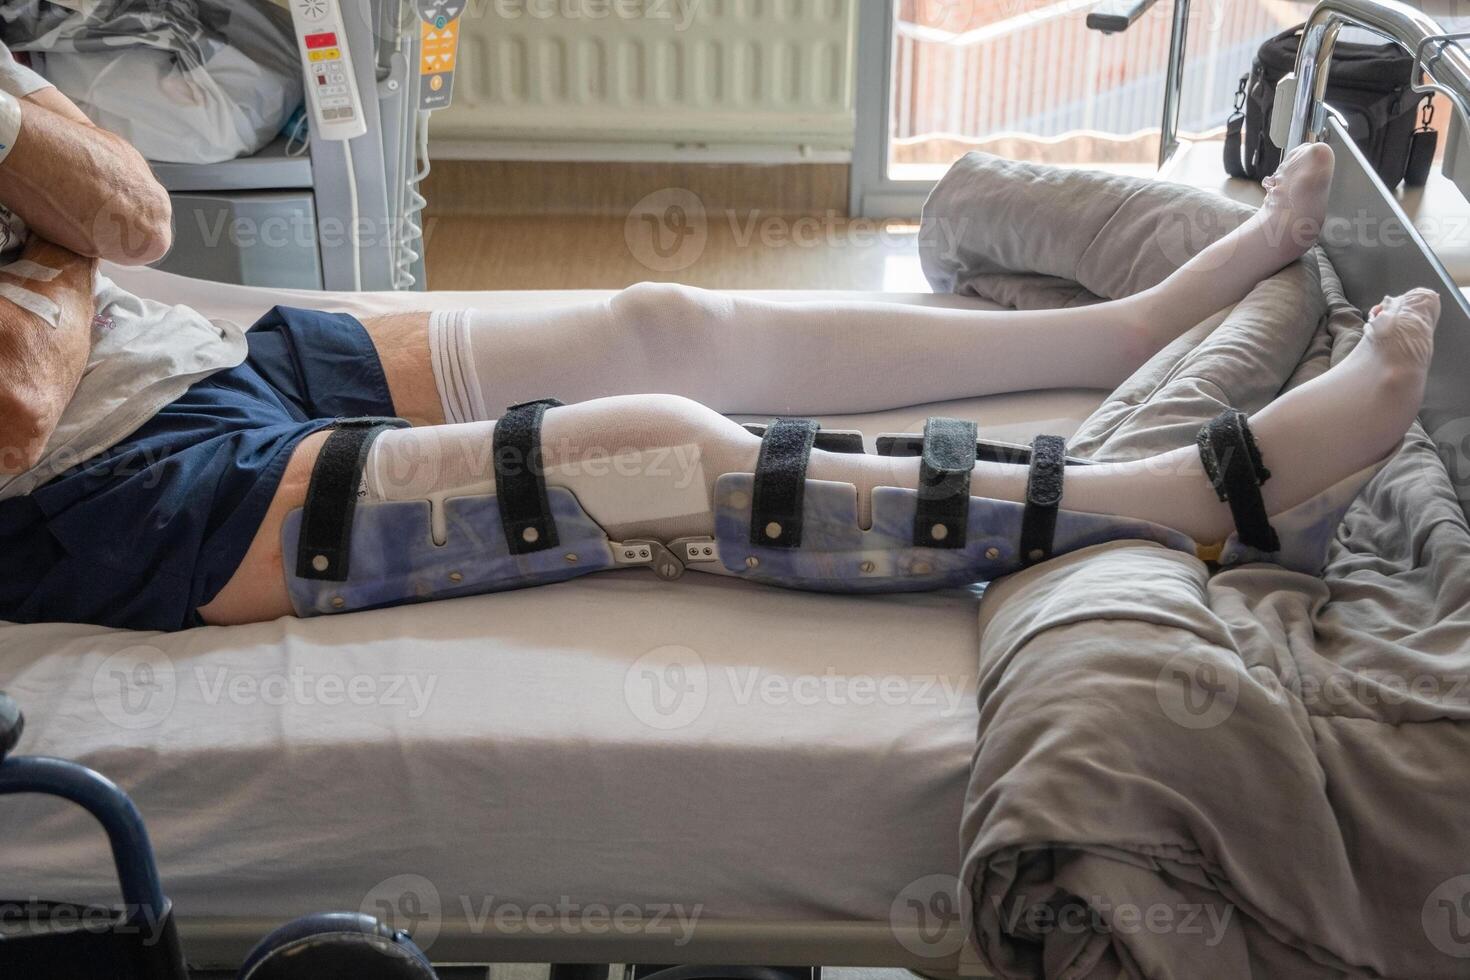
x,y
41,363
84,188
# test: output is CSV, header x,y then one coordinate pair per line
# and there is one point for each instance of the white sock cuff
x,y
454,368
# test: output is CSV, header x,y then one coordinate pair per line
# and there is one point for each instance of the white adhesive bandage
x,y
10,116
34,302
26,269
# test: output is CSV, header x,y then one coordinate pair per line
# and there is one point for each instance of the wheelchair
x,y
140,941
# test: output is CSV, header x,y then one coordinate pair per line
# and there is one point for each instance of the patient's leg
x,y
740,354
1313,438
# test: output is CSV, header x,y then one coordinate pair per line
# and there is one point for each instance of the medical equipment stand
x,y
344,218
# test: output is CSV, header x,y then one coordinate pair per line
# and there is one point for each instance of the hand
x,y
41,364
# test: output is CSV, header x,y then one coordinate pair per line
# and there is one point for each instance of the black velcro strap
x,y
1043,498
780,483
324,546
520,478
846,441
1234,464
942,518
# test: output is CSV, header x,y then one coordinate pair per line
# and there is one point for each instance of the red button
x,y
323,40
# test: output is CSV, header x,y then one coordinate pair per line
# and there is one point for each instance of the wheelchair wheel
x,y
336,946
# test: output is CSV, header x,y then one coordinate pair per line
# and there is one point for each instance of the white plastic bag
x,y
213,87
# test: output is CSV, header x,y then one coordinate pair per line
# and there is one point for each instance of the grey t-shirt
x,y
144,354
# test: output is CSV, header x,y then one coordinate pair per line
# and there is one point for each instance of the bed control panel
x,y
331,86
438,50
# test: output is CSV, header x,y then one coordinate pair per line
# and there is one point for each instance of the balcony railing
x,y
1029,79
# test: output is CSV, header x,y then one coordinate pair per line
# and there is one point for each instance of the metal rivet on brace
x,y
570,558
338,602
922,568
752,562
456,577
773,530
530,535
643,552
1036,554
939,532
992,553
867,566
321,563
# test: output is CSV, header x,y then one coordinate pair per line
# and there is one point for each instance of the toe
x,y
1404,330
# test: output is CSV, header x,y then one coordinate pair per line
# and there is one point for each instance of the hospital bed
x,y
669,747
749,775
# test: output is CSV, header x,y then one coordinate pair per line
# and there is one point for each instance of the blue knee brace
x,y
773,526
778,527
343,555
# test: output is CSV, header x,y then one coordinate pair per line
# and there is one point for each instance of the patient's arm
x,y
40,364
83,187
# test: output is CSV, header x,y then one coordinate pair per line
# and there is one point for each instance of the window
x,y
1027,79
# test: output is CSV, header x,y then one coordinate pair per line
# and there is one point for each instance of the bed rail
x,y
1372,243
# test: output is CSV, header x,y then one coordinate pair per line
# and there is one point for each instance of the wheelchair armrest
x,y
12,723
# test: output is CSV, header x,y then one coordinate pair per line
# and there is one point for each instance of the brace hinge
x,y
648,554
696,550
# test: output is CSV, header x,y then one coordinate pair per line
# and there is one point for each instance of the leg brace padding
x,y
395,559
837,555
348,555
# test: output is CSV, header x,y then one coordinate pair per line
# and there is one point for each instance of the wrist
x,y
10,121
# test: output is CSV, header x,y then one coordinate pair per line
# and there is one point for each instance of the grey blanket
x,y
1256,773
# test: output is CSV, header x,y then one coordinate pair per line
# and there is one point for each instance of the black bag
x,y
1370,86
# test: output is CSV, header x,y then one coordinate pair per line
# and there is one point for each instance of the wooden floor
x,y
722,250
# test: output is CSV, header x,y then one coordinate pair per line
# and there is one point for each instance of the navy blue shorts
x,y
143,535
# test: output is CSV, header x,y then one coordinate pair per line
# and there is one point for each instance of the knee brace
x,y
773,526
343,555
776,526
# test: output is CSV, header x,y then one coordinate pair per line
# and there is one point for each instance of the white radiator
x,y
762,73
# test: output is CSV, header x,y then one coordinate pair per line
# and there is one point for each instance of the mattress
x,y
721,763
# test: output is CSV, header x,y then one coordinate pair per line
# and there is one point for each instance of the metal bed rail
x,y
1373,245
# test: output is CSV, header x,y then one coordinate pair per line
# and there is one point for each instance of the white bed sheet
x,y
807,760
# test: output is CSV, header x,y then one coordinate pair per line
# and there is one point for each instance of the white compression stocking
x,y
736,353
645,465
